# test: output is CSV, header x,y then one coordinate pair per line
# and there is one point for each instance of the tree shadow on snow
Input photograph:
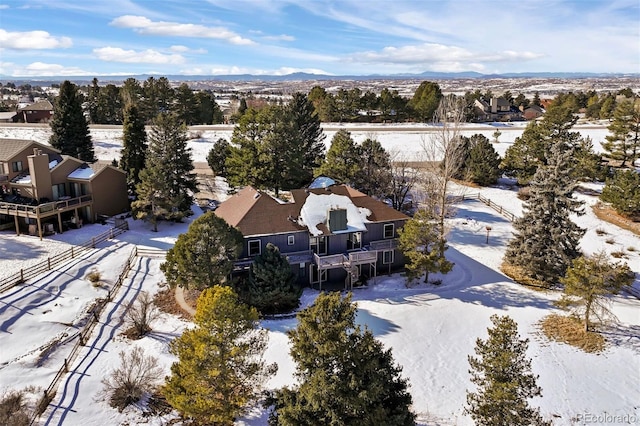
x,y
622,335
378,326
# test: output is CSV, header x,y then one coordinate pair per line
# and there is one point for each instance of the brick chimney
x,y
40,174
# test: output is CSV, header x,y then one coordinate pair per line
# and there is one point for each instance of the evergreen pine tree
x,y
624,142
220,370
502,374
546,239
425,101
134,146
93,93
346,377
421,243
70,131
343,159
375,165
588,282
623,192
271,284
217,157
531,149
203,256
306,150
483,163
167,183
243,164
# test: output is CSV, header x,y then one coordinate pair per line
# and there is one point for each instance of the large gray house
x,y
334,234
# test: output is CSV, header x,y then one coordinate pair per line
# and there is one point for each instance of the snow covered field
x,y
431,329
404,139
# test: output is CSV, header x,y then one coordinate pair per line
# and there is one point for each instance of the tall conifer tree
x,y
70,131
343,159
346,376
546,239
167,182
134,146
502,373
624,142
220,370
271,284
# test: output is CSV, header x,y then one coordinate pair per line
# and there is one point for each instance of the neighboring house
x,y
37,112
7,117
497,109
332,234
42,191
532,112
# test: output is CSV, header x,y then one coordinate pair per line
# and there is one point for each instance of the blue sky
x,y
338,37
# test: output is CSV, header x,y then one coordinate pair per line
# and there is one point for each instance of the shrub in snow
x,y
14,410
140,315
137,374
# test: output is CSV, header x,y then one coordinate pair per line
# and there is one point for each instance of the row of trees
x,y
106,104
344,374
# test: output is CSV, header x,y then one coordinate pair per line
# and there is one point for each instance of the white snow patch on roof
x,y
82,173
23,179
316,207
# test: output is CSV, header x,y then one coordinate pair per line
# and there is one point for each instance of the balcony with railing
x,y
13,205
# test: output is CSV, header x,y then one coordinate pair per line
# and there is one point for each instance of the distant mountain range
x,y
300,76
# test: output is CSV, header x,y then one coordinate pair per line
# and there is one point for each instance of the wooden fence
x,y
497,207
83,337
54,260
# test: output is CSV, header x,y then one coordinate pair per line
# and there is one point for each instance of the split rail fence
x,y
83,336
51,262
497,207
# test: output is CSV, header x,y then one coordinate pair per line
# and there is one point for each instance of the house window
x,y
59,191
318,245
389,231
1,168
254,247
354,241
387,257
291,240
16,166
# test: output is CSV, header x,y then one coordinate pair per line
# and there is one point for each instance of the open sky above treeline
x,y
347,37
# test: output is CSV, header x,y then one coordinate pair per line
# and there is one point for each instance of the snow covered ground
x,y
431,329
404,139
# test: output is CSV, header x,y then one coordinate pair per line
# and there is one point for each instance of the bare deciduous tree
x,y
405,176
443,155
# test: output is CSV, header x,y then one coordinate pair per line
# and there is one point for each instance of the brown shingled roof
x,y
256,213
9,148
41,105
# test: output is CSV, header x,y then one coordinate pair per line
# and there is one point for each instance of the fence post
x,y
49,263
21,275
66,365
93,242
72,252
111,233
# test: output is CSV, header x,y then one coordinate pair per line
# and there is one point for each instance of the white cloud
x,y
144,25
281,37
185,49
149,56
36,69
235,70
4,6
32,40
437,53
